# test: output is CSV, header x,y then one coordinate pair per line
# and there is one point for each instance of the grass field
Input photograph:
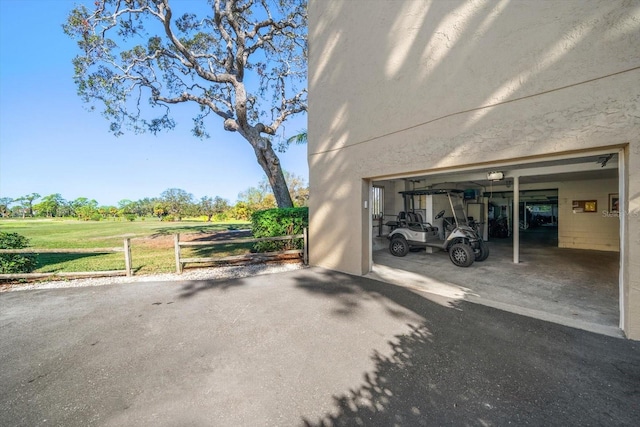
x,y
152,248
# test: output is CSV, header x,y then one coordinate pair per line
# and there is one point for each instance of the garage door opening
x,y
568,257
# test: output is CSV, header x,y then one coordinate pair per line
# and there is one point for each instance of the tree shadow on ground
x,y
45,261
204,234
204,229
219,250
468,364
192,288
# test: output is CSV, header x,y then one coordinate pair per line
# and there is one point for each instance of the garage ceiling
x,y
572,169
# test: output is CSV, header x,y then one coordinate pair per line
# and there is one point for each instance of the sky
x,y
50,143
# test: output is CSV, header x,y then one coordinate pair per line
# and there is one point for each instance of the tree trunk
x,y
270,163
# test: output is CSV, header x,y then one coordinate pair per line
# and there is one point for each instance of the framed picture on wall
x,y
614,201
585,206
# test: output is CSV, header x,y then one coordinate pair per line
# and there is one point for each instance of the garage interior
x,y
562,262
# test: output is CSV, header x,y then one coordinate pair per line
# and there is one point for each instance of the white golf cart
x,y
461,241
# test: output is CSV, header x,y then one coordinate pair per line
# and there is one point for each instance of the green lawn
x,y
151,242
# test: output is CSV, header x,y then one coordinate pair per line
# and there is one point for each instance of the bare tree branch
x,y
167,60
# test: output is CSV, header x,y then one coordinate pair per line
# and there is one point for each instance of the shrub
x,y
15,263
279,222
221,217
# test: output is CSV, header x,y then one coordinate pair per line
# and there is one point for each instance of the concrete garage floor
x,y
577,288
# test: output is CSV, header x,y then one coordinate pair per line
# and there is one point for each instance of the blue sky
x,y
50,143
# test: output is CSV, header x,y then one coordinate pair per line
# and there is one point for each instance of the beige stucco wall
x,y
398,87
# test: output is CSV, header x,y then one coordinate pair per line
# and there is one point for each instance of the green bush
x,y
279,222
15,263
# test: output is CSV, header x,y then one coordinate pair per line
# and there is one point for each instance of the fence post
x,y
176,243
127,257
305,247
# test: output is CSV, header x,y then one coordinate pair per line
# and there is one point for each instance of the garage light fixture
x,y
495,176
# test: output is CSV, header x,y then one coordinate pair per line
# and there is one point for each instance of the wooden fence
x,y
128,271
180,261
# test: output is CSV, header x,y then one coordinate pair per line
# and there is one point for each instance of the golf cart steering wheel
x,y
440,214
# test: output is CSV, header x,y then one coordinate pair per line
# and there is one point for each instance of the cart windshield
x,y
460,215
458,209
455,202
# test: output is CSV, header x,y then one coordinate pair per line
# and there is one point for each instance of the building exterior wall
x,y
407,87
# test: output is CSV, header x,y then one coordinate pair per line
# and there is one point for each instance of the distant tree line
x,y
173,204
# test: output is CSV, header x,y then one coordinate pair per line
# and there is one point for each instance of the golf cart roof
x,y
431,191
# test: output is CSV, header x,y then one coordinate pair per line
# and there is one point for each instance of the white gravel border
x,y
212,273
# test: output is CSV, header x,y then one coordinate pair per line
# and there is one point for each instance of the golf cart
x,y
461,240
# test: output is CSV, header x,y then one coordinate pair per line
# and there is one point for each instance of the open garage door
x,y
553,239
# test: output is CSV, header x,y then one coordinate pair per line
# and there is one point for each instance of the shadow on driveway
x,y
468,364
309,347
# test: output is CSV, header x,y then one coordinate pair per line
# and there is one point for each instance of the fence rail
x,y
61,251
126,248
181,261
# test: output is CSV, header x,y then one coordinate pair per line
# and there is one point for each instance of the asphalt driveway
x,y
304,348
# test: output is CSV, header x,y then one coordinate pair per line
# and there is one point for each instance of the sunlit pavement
x,y
309,347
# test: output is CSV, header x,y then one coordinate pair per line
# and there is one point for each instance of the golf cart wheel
x,y
461,255
398,246
484,252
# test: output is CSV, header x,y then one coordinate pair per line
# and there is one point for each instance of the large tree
x,y
243,61
84,208
4,206
26,202
49,205
177,202
211,206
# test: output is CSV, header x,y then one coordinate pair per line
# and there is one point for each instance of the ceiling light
x,y
495,176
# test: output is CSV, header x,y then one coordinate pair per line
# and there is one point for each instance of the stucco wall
x,y
631,248
400,87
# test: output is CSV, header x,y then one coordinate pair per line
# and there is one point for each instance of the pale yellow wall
x,y
597,231
404,87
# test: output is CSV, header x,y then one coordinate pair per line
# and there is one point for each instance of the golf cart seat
x,y
392,225
413,218
401,219
414,221
427,226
